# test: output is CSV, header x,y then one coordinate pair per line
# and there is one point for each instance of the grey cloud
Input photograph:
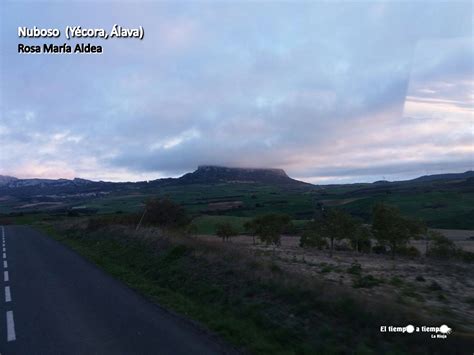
x,y
262,84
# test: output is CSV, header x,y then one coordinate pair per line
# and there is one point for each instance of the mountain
x,y
221,174
206,174
12,182
60,188
5,180
450,176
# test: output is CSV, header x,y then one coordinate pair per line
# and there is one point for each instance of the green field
x,y
439,208
440,205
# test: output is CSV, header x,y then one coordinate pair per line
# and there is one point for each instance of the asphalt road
x,y
55,302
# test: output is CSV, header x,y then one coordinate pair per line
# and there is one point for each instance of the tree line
x,y
390,230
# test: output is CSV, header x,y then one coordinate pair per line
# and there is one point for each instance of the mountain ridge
x,y
216,174
212,174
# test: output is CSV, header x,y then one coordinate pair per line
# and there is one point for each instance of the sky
x,y
332,92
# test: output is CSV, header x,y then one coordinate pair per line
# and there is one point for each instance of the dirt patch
x,y
40,204
444,288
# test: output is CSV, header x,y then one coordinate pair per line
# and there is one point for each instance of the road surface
x,y
55,302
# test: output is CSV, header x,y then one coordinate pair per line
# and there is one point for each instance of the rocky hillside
x,y
217,174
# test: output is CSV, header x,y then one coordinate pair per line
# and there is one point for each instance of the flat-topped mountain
x,y
216,174
205,174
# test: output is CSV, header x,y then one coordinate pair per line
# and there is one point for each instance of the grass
x,y
366,281
396,281
249,302
440,205
440,209
355,269
207,224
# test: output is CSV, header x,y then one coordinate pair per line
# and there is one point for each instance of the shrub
x,y
470,300
379,249
334,225
342,247
361,238
103,221
225,231
420,278
327,268
410,251
441,247
164,213
391,228
270,227
434,286
355,269
396,281
464,255
366,281
312,238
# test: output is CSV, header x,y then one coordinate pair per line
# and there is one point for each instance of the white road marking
x,y
6,278
4,249
10,327
5,264
8,295
4,255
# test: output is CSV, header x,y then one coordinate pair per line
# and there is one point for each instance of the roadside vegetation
x,y
260,298
244,298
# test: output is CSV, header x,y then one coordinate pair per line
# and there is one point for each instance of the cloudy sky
x,y
331,92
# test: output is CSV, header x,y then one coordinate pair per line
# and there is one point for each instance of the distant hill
x,y
205,174
450,176
443,201
217,174
13,182
5,180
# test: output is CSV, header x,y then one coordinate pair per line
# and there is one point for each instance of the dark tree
x,y
251,229
225,231
313,236
164,212
361,238
337,225
270,227
391,228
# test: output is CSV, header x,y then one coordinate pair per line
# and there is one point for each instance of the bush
x,y
420,278
361,238
396,281
367,281
410,251
342,247
355,269
164,213
333,224
390,228
441,247
313,239
379,249
434,286
464,255
225,231
270,227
